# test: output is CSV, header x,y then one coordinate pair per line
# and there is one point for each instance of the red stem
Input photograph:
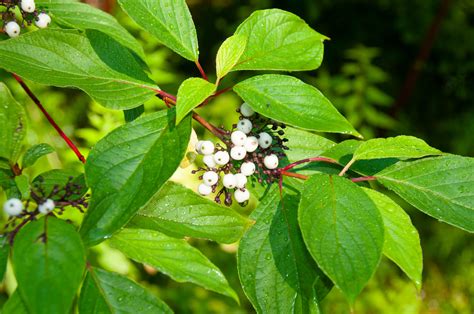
x,y
201,70
49,118
369,178
303,161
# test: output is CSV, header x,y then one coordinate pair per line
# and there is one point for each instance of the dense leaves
x,y
191,94
13,122
82,16
275,269
303,144
94,62
48,260
127,167
178,211
402,242
279,40
343,231
106,292
442,187
174,257
34,153
402,147
169,21
289,100
4,252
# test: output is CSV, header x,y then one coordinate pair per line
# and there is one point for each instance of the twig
x,y
49,118
294,175
171,100
423,54
201,70
361,179
307,160
349,164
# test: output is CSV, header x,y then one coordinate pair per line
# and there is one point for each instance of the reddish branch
x,y
420,60
307,160
171,100
201,70
50,119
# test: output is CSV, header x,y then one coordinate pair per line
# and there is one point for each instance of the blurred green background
x,y
373,46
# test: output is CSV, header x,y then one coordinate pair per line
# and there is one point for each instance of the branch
x,y
49,118
423,54
201,70
303,161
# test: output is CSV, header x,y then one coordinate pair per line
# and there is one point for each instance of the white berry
x,y
207,148
13,207
247,168
28,6
229,181
264,140
204,189
245,125
238,138
251,144
241,195
271,161
47,206
221,158
238,152
246,110
241,180
12,29
210,178
43,20
209,161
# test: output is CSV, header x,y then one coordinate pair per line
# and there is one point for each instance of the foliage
x,y
302,238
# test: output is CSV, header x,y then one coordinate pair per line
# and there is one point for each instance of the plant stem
x,y
49,118
171,99
201,70
349,164
312,159
294,175
369,178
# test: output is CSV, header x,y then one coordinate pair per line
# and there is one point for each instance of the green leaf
x,y
442,187
343,231
343,153
48,260
169,21
279,40
132,114
303,144
45,183
179,212
15,305
191,94
4,252
401,147
106,292
34,153
83,16
127,167
229,54
13,122
287,99
94,63
174,257
402,242
276,271
23,184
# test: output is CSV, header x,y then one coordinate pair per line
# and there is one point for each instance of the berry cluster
x,y
29,14
252,150
43,200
